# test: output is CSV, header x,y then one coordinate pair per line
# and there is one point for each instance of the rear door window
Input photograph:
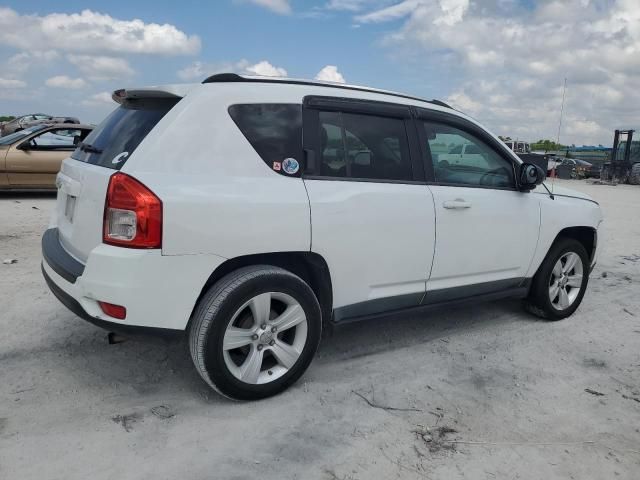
x,y
117,137
274,130
363,147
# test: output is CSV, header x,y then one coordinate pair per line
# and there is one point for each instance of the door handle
x,y
457,204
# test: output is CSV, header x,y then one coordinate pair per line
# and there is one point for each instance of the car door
x,y
372,216
486,230
36,161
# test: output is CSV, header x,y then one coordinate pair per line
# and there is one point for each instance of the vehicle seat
x,y
325,169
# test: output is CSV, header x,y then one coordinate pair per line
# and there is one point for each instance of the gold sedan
x,y
31,158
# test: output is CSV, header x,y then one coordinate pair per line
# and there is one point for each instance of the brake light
x,y
115,311
132,214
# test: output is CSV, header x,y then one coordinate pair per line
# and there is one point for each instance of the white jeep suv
x,y
252,212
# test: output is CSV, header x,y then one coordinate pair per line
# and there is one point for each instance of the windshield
x,y
115,139
17,136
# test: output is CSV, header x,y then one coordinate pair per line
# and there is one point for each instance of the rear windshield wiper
x,y
85,147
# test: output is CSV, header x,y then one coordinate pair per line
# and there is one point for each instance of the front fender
x,y
561,213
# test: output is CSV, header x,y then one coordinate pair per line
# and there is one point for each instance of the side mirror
x,y
530,176
24,146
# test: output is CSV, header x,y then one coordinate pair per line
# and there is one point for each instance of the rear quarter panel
x,y
219,197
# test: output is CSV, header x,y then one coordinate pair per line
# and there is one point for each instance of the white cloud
x,y
11,83
97,67
357,5
90,31
330,73
200,70
441,12
392,12
279,6
506,62
463,102
21,62
265,69
63,81
350,5
195,71
452,12
99,99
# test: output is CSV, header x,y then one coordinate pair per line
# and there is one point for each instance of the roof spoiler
x,y
168,91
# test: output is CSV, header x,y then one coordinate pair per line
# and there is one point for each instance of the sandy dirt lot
x,y
480,392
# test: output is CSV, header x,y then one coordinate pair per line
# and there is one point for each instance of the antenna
x,y
564,91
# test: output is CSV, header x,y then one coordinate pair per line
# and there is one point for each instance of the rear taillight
x,y
132,214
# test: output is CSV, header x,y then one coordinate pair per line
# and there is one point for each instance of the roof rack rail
x,y
441,103
234,77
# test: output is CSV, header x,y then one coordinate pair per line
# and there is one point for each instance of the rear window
x,y
275,132
116,138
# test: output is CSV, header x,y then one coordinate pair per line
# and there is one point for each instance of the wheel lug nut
x,y
273,329
272,343
263,326
254,336
260,347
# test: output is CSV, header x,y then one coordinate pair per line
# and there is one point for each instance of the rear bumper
x,y
127,330
58,259
159,292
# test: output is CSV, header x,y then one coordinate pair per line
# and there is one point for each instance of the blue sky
x,y
502,61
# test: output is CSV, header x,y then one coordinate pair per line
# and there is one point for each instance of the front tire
x,y
561,281
255,332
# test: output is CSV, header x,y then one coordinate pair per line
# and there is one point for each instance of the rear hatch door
x,y
84,177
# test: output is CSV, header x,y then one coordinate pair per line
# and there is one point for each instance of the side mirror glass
x,y
530,176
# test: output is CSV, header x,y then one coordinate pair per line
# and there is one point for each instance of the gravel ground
x,y
476,392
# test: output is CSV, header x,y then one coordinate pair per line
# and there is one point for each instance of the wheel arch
x,y
309,266
587,236
538,301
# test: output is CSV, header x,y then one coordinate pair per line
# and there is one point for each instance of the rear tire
x,y
255,332
561,281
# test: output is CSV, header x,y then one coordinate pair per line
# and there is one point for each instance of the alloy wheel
x,y
566,281
265,338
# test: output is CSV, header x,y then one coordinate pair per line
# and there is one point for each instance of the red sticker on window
x,y
277,166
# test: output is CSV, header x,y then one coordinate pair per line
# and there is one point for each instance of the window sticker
x,y
290,166
121,157
277,166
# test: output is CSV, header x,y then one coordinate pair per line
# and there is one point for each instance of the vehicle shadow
x,y
27,194
358,339
162,366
